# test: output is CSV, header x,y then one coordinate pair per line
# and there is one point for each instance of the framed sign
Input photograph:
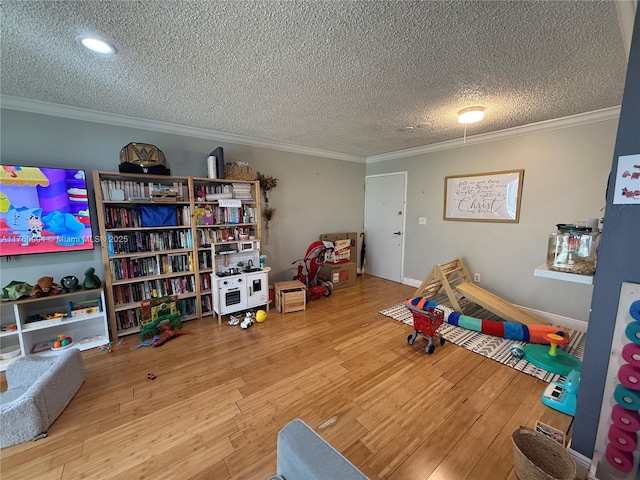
x,y
483,197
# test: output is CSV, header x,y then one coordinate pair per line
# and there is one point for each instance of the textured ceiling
x,y
338,76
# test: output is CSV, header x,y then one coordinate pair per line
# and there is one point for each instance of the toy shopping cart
x,y
425,324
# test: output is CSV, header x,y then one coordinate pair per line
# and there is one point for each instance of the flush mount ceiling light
x,y
471,115
96,45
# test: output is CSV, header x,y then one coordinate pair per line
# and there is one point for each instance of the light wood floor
x,y
222,394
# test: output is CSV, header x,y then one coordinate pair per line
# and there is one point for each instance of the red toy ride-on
x,y
309,267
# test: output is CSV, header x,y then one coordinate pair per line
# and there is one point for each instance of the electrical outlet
x,y
422,220
476,277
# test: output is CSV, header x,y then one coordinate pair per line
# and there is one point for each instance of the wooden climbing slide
x,y
454,278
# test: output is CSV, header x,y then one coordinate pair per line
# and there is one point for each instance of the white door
x,y
384,204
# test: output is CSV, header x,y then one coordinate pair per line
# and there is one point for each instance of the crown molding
x,y
83,114
539,127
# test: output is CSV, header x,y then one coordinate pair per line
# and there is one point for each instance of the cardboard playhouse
x,y
340,268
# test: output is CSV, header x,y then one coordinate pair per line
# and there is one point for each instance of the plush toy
x,y
16,290
91,280
45,286
69,283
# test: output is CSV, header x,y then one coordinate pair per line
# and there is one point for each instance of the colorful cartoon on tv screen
x,y
43,210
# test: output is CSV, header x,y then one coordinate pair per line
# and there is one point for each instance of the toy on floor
x,y
552,359
563,396
166,334
248,320
508,330
261,316
548,358
308,270
155,312
425,324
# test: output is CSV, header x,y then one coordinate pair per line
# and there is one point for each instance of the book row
x,y
131,318
150,241
208,236
139,190
205,260
206,303
168,215
135,292
240,191
205,281
127,268
216,215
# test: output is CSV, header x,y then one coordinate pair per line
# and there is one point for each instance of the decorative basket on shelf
x,y
239,172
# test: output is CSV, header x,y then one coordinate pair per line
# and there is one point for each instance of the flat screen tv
x,y
43,210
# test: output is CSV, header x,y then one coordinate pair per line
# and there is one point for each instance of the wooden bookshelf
x,y
177,257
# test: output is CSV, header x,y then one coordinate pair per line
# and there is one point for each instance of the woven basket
x,y
538,457
237,172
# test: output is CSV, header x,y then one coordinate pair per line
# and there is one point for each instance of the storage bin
x,y
239,172
290,296
538,457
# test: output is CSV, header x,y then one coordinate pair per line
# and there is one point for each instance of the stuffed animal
x,y
69,283
91,280
45,286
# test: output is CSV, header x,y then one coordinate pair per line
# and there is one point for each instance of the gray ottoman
x,y
302,454
40,388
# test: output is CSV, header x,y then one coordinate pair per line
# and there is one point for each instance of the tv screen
x,y
43,210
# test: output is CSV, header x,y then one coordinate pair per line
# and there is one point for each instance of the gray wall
x,y
620,262
565,174
314,195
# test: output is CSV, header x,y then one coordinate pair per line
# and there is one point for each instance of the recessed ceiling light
x,y
97,46
471,115
406,129
423,125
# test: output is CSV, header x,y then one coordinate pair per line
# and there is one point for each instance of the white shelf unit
x,y
543,271
87,331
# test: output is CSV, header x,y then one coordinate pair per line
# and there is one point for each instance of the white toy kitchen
x,y
238,281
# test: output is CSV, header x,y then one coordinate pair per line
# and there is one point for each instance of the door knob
x,y
397,233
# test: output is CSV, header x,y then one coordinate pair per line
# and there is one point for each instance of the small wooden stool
x,y
290,296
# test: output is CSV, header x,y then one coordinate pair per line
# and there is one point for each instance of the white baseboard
x,y
583,464
558,320
551,318
412,282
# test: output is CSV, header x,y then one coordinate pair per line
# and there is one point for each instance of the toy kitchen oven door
x,y
232,295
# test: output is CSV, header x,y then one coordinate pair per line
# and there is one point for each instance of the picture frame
x,y
483,197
